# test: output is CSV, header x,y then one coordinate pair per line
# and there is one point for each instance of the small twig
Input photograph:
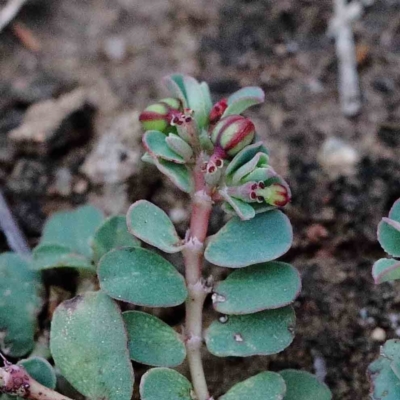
x,y
9,12
340,28
15,238
15,381
26,36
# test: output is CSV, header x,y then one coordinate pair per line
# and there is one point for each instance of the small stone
x,y
81,186
116,155
115,48
338,158
63,182
178,215
378,335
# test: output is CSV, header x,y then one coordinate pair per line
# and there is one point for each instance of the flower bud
x,y
276,194
158,116
217,110
232,134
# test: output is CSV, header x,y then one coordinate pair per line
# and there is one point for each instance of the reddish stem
x,y
194,255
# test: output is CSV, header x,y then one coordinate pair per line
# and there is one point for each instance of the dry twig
x,y
8,225
340,27
9,12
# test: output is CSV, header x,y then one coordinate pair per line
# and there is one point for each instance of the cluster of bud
x,y
223,137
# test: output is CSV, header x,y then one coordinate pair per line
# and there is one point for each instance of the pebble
x,y
378,335
338,158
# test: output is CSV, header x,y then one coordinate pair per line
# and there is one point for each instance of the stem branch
x,y
15,381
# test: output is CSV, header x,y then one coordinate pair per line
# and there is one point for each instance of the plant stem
x,y
193,255
14,380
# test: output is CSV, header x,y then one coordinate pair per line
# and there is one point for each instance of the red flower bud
x,y
158,116
277,194
217,110
232,134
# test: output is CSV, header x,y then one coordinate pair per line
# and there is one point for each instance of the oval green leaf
x,y
196,100
73,229
155,143
112,234
175,85
165,384
152,225
386,270
244,99
89,345
141,277
178,174
40,370
384,373
243,157
264,386
47,256
263,333
256,288
241,243
152,341
243,210
20,303
301,385
389,231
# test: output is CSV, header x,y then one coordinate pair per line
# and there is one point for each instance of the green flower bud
x,y
158,116
232,134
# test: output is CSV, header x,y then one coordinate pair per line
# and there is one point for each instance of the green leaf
x,y
264,386
40,370
384,373
259,161
176,86
206,96
141,277
47,256
20,303
152,341
256,288
165,384
244,99
73,229
241,243
386,270
156,145
178,174
243,210
389,231
301,385
196,100
263,333
89,345
244,156
152,225
112,234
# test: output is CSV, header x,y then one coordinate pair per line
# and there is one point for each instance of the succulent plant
x,y
212,153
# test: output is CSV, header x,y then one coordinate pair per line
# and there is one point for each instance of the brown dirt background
x,y
117,51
